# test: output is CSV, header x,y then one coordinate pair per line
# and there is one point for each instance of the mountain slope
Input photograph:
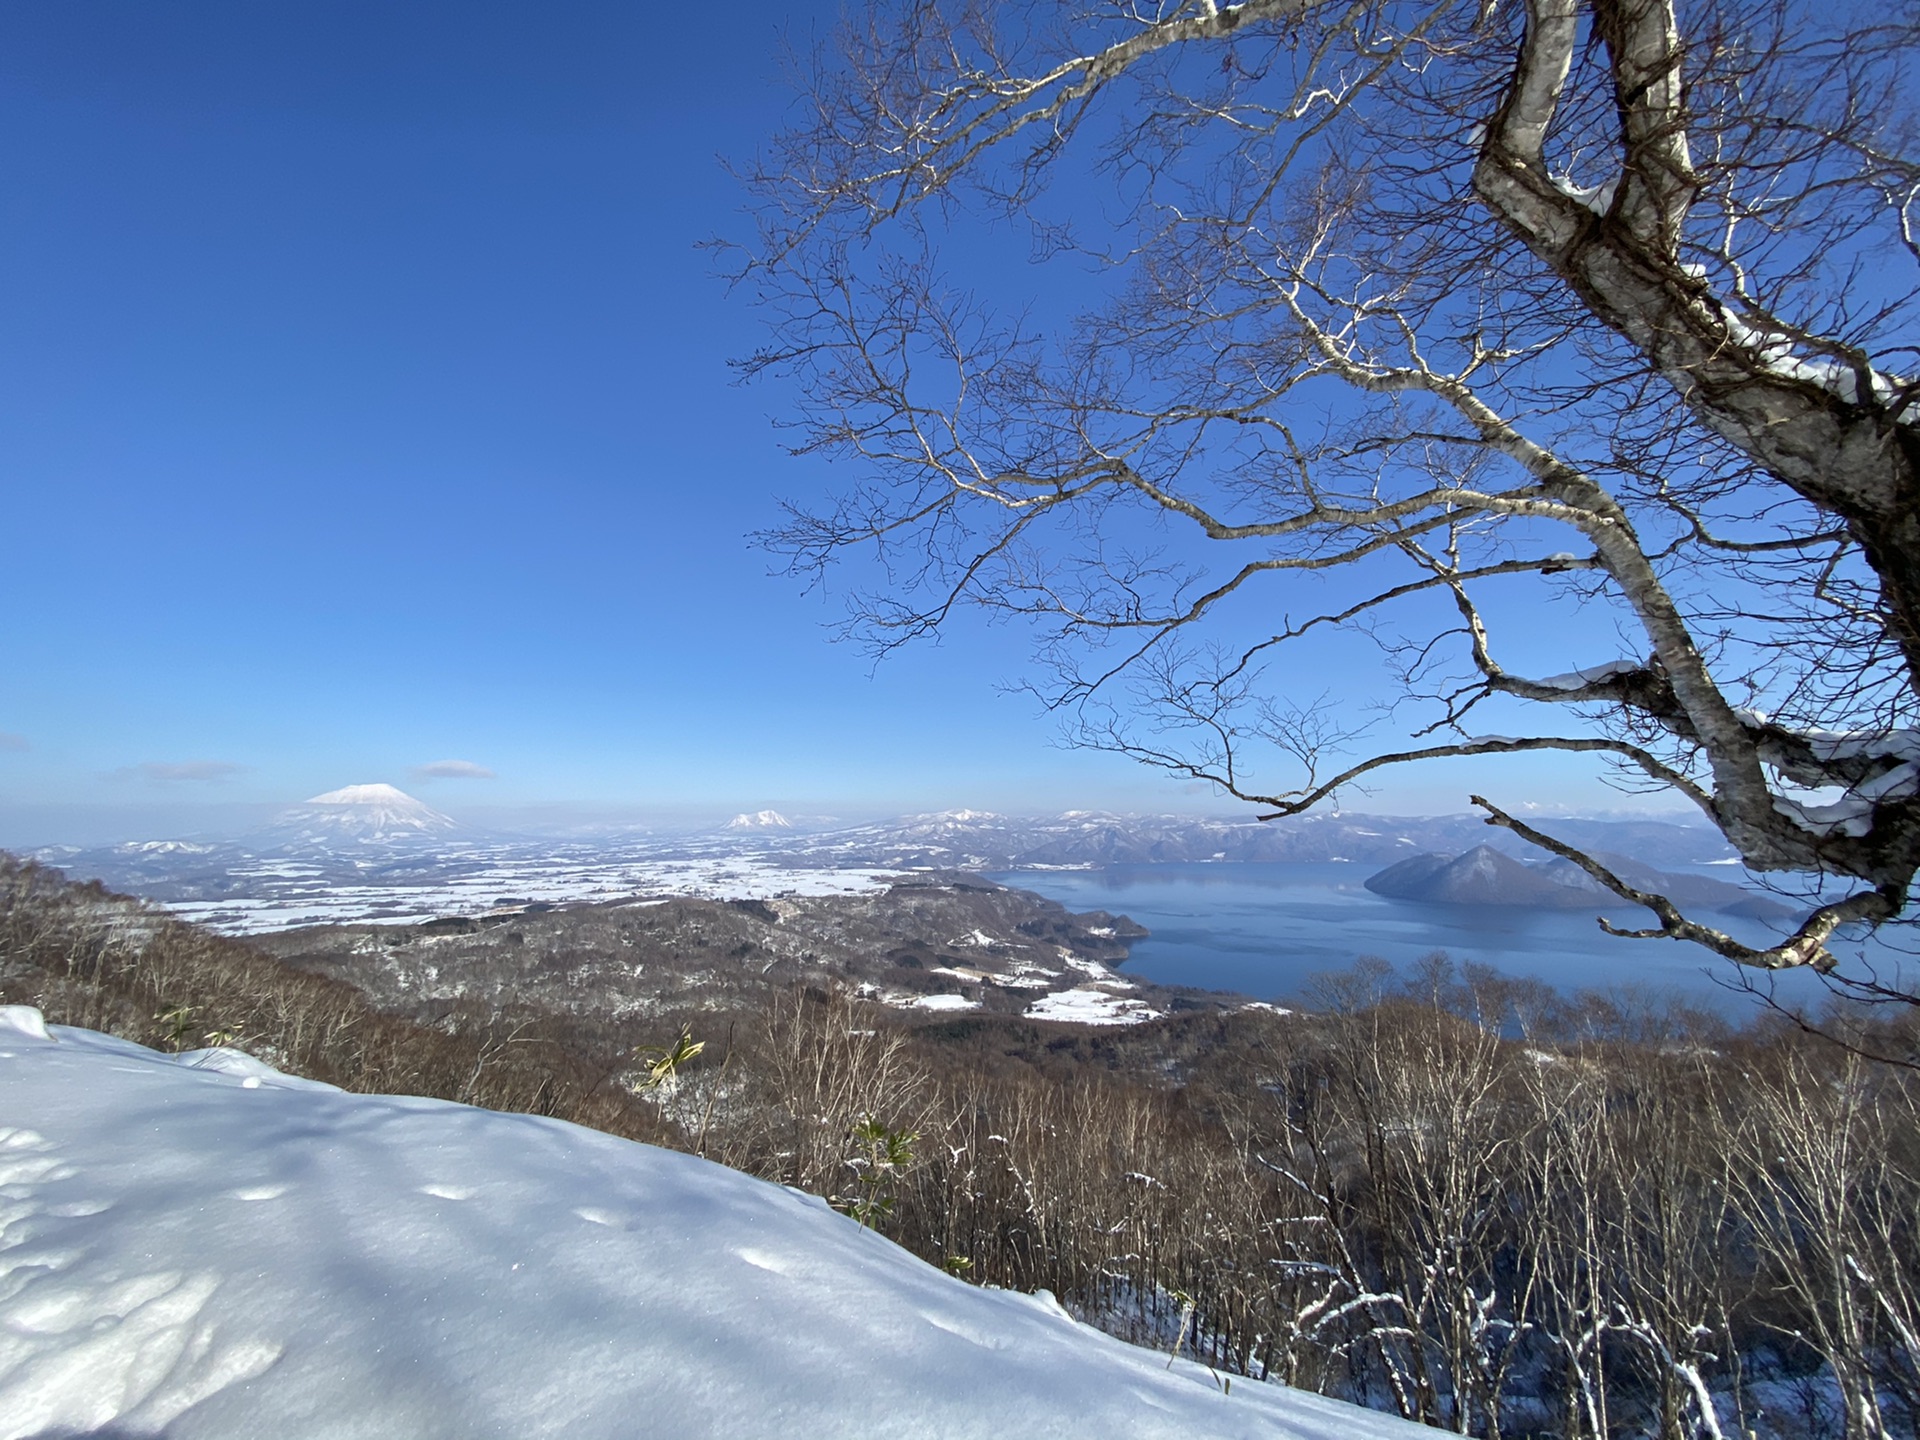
x,y
200,1246
1482,876
1485,876
362,814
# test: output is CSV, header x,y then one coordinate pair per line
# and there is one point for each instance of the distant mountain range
x,y
978,840
366,849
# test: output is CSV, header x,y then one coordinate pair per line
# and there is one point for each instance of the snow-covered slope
x,y
376,813
759,820
199,1246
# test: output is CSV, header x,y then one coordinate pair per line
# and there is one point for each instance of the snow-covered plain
x,y
286,894
197,1246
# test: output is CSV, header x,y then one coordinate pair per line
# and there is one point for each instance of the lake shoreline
x,y
1266,930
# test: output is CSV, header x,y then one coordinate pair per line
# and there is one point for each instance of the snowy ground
x,y
287,894
1101,999
1092,1005
196,1246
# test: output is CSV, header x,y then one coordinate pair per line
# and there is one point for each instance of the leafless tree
x,y
1827,1180
1394,318
826,1065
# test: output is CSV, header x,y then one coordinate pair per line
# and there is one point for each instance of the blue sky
x,y
364,405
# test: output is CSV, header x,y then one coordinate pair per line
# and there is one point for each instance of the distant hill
x,y
1482,876
1485,876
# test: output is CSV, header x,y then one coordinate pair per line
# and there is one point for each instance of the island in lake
x,y
1485,876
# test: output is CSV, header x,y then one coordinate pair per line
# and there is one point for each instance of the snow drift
x,y
201,1246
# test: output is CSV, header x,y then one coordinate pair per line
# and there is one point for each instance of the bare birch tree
x,y
1393,317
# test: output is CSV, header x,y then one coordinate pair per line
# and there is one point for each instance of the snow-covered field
x,y
197,1246
1091,1005
284,895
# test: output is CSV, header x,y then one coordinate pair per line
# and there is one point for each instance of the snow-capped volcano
x,y
760,820
363,812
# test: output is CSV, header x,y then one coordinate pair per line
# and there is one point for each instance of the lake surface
x,y
1266,930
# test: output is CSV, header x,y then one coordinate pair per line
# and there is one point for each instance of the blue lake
x,y
1265,930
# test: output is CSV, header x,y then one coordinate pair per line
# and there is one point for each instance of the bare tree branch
x,y
1417,300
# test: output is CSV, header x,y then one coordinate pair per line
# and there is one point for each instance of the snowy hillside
x,y
362,813
198,1245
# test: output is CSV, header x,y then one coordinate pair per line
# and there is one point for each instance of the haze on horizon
x,y
28,828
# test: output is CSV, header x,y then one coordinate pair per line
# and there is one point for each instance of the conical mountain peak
x,y
368,795
362,813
